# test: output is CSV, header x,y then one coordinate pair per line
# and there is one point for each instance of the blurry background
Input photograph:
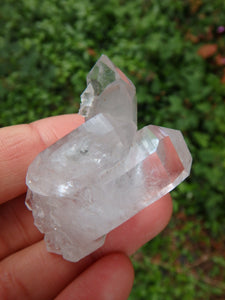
x,y
174,52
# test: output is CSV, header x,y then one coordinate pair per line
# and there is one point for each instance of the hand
x,y
27,270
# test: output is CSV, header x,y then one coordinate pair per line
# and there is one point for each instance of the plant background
x,y
174,52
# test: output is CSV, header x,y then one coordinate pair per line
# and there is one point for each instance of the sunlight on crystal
x,y
63,188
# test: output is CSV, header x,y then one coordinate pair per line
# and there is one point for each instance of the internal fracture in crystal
x,y
104,172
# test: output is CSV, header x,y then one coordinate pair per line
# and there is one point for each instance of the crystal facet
x,y
104,172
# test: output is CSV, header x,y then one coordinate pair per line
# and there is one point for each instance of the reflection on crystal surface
x,y
104,172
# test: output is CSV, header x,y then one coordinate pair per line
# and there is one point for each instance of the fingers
x,y
17,227
109,278
21,143
33,273
33,267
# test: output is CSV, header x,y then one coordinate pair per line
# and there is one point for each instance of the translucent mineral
x,y
104,172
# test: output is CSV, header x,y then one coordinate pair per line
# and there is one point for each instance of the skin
x,y
27,270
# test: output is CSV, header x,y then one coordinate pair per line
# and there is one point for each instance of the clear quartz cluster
x,y
104,172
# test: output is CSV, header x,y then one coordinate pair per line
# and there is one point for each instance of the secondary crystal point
x,y
108,91
104,172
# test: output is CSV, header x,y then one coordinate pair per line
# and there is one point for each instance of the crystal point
x,y
104,172
108,91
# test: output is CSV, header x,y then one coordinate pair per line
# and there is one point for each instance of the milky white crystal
x,y
104,172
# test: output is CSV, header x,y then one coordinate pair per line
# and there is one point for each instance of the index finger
x,y
20,144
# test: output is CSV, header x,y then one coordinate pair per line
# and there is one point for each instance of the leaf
x,y
191,37
195,5
223,79
220,60
207,51
91,52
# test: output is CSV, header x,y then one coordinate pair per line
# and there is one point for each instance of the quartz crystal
x,y
104,172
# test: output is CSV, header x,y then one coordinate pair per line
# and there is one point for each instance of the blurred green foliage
x,y
182,263
48,47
